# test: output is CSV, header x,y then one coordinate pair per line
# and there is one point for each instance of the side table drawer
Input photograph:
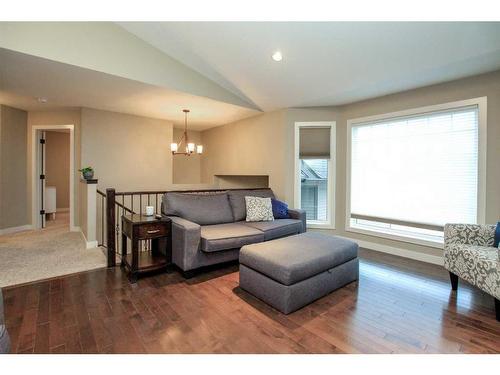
x,y
151,230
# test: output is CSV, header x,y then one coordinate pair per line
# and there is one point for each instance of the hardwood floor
x,y
398,306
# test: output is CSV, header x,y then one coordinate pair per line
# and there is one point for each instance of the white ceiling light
x,y
42,100
277,56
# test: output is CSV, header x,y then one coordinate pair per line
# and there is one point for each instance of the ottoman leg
x,y
454,281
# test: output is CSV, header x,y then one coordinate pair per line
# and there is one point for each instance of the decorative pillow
x,y
259,209
280,209
497,235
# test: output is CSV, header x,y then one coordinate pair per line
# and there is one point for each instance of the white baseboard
x,y
88,244
16,229
91,244
416,255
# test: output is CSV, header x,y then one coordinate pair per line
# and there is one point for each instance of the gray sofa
x,y
4,336
210,228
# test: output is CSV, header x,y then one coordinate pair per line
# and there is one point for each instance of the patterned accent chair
x,y
4,336
470,255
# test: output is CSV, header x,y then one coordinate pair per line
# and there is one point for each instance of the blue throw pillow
x,y
497,233
280,209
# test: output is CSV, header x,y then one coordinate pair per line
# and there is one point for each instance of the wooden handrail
x,y
183,191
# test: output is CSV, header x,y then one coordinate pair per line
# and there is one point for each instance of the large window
x,y
410,175
315,172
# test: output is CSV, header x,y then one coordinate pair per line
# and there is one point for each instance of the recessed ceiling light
x,y
42,100
277,56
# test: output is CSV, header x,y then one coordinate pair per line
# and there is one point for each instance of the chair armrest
x,y
1,308
468,234
298,214
186,237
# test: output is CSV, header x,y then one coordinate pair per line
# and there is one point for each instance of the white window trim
x,y
481,103
332,168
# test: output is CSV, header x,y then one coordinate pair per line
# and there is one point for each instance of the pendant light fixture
x,y
189,147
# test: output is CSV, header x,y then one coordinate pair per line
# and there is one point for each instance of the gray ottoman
x,y
291,272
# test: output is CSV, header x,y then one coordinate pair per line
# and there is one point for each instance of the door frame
x,y
35,186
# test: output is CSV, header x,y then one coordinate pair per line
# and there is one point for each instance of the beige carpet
x,y
54,251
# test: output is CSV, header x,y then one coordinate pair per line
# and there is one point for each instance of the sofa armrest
x,y
186,237
468,234
298,214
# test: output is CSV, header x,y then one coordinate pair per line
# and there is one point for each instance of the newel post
x,y
89,208
110,226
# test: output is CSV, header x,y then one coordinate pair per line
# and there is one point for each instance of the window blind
x,y
314,143
418,169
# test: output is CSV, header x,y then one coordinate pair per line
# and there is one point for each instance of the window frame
x,y
481,103
332,167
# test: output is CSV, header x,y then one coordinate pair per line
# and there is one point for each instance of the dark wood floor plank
x,y
397,306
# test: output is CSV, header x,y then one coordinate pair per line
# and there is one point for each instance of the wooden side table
x,y
139,228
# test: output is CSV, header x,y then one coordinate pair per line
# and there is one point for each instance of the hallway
x,y
54,251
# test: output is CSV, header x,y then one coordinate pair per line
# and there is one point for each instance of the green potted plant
x,y
87,172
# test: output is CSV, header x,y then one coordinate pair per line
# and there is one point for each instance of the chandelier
x,y
190,147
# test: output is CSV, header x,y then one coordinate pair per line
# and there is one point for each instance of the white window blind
x,y
418,169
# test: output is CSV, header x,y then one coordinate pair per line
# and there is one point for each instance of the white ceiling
x,y
24,78
325,63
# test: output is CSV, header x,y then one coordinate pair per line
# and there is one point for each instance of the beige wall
x,y
264,144
127,152
253,146
57,165
260,145
61,117
13,168
187,169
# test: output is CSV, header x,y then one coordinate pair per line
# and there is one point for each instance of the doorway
x,y
53,177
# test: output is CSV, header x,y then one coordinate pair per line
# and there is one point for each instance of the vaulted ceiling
x,y
224,72
325,63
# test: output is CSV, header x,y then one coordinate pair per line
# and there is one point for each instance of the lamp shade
x,y
199,149
173,147
191,147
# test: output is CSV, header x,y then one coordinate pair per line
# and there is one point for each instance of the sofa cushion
x,y
228,236
202,209
292,259
237,200
277,228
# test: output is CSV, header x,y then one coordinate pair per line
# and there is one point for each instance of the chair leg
x,y
454,281
497,309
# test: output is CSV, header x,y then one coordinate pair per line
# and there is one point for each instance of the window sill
x,y
417,241
319,225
